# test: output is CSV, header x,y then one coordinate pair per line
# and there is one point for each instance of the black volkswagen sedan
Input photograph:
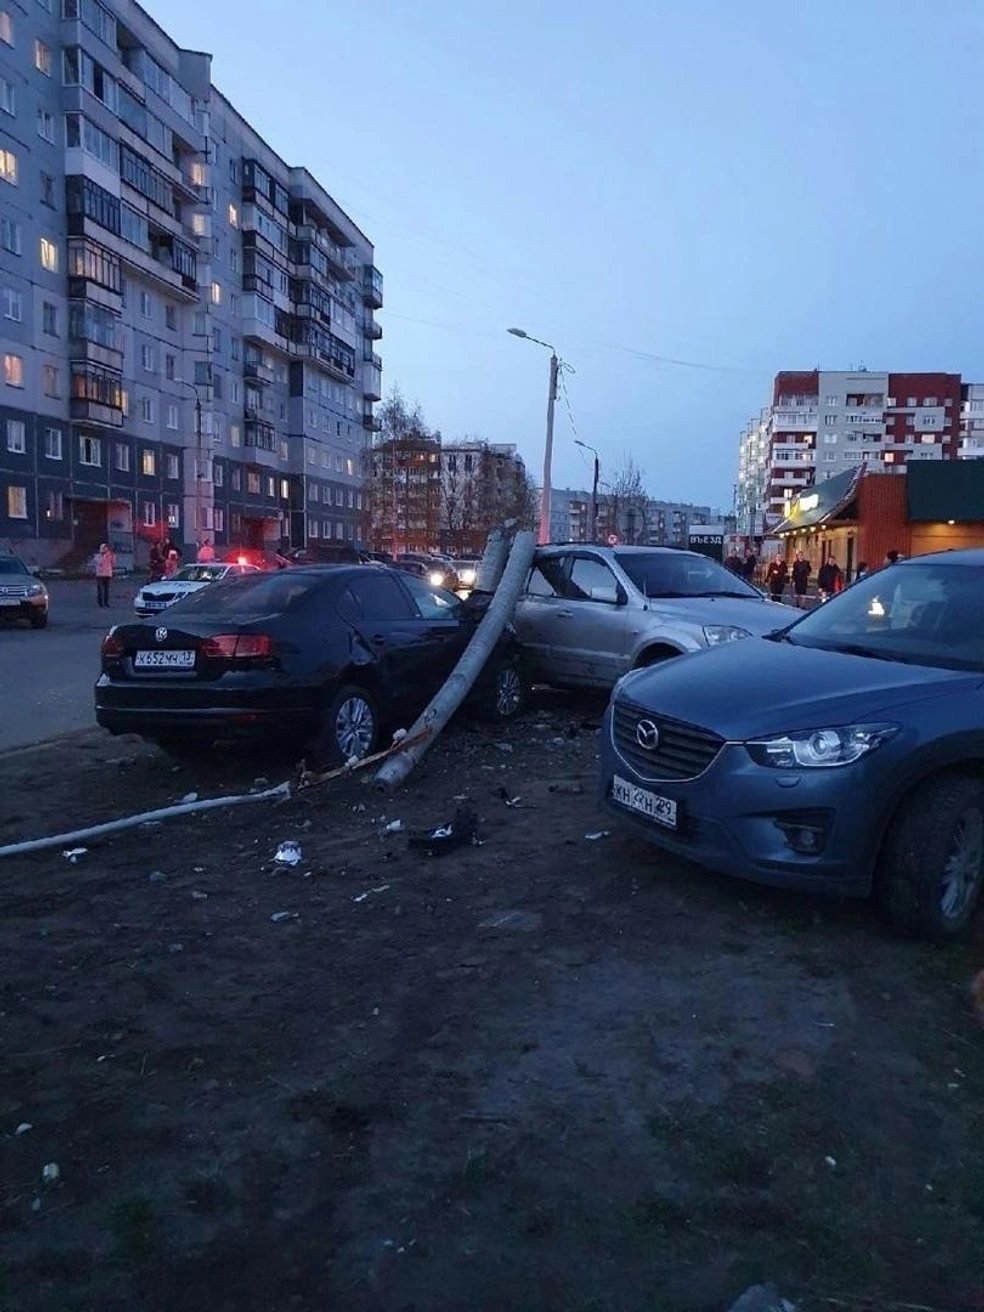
x,y
843,753
328,657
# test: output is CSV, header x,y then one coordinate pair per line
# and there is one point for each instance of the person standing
x,y
776,577
155,566
891,558
171,563
830,580
105,562
206,552
733,562
802,569
861,571
748,566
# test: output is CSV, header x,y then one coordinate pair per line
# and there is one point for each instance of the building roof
x,y
821,502
940,490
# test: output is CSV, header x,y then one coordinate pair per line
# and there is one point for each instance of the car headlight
x,y
820,748
467,577
435,579
715,634
37,590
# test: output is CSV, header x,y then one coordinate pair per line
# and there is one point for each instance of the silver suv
x,y
590,614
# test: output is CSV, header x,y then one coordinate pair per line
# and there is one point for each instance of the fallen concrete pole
x,y
281,792
394,770
493,561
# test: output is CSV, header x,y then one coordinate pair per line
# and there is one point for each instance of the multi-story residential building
x,y
186,321
482,485
404,498
822,422
641,521
972,421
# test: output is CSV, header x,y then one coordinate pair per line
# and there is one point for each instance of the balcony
x,y
88,351
371,424
260,372
257,433
373,330
372,383
372,287
96,395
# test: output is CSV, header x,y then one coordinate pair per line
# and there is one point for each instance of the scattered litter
x,y
503,747
460,797
73,854
762,1298
831,1162
199,897
175,948
399,736
199,870
51,1173
567,786
361,897
359,807
599,833
929,1189
352,762
525,920
188,799
826,1024
156,877
288,854
459,831
557,742
279,916
503,794
394,827
24,1127
375,1011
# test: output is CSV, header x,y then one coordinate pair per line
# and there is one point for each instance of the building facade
x,y
822,422
639,521
483,484
186,321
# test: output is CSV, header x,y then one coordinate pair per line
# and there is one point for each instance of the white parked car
x,y
155,597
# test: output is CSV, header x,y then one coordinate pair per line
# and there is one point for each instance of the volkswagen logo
x,y
647,735
161,636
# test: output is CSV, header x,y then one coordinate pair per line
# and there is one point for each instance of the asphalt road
x,y
46,675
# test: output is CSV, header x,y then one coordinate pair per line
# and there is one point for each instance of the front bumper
x,y
731,818
23,608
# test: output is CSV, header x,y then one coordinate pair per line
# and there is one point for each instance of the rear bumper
x,y
147,708
220,721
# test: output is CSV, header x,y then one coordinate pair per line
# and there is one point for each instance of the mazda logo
x,y
161,636
647,735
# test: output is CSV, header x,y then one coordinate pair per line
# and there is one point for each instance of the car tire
x,y
932,865
655,656
350,727
39,621
506,692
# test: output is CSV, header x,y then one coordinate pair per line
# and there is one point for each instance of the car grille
x,y
684,750
13,590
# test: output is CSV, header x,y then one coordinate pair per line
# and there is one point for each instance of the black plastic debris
x,y
459,831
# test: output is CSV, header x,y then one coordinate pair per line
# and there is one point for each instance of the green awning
x,y
821,502
940,490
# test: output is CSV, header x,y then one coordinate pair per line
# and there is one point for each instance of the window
x,y
8,99
54,506
217,340
123,457
13,305
312,528
149,514
237,479
830,455
146,305
218,474
215,293
49,319
173,468
90,451
233,216
830,421
911,401
147,358
10,235
271,486
49,255
928,438
6,28
326,494
42,58
253,483
234,259
173,515
236,349
50,377
46,125
171,317
16,436
592,580
147,409
831,437
52,444
889,457
218,519
17,503
284,490
8,167
235,435
13,370
377,597
930,401
170,365
172,417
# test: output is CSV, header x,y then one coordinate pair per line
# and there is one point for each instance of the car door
x,y
446,634
539,613
592,628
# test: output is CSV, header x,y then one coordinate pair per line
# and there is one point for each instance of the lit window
x,y
198,174
284,490
17,503
8,167
199,224
233,216
49,255
173,515
16,436
148,464
13,370
50,379
6,28
42,58
216,293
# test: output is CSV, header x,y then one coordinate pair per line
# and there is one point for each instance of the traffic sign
x,y
613,539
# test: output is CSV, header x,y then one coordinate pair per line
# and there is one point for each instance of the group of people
x,y
830,577
165,560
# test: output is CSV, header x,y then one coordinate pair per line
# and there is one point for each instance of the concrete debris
x,y
156,877
279,916
599,833
524,920
199,897
762,1298
361,897
73,854
51,1173
23,1128
394,827
288,854
188,799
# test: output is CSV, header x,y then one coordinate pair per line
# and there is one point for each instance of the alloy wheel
x,y
964,865
508,691
355,728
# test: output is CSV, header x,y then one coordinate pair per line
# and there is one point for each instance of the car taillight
x,y
112,644
237,646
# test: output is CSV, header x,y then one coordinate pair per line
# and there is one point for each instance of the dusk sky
x,y
743,187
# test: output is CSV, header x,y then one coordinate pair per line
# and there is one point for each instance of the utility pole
x,y
544,535
198,467
594,488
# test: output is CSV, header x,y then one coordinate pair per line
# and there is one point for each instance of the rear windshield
x,y
11,565
268,594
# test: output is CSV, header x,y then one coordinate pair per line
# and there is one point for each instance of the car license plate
x,y
154,605
661,809
9,601
164,660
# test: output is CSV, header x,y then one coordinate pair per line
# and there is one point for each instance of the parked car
x,y
329,658
467,571
22,595
155,597
590,614
325,553
264,558
844,754
439,572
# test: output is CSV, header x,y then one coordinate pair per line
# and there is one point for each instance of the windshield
x,y
926,614
11,565
680,574
200,573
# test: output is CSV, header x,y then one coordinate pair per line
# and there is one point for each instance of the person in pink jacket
x,y
105,562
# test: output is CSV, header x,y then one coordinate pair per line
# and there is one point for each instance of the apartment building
x,y
822,422
971,421
636,520
482,485
186,321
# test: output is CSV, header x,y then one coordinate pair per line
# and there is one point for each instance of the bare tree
x,y
622,509
403,472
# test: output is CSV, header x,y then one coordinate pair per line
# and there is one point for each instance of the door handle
x,y
564,614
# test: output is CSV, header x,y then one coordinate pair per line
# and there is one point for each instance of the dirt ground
x,y
644,1089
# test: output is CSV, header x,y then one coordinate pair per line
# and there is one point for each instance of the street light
x,y
183,382
594,486
544,534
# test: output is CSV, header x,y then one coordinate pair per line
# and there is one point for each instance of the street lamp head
x,y
518,332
